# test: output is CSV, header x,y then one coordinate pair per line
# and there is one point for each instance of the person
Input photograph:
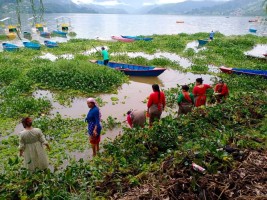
x,y
199,92
185,101
94,127
104,53
31,142
136,118
211,35
221,91
156,104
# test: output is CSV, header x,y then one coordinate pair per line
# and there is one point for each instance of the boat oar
x,y
97,50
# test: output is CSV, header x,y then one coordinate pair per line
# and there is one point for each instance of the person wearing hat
x,y
185,101
94,127
199,92
104,53
136,118
221,91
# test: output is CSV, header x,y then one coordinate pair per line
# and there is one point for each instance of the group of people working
x,y
32,140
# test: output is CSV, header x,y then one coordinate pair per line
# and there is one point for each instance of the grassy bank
x,y
139,156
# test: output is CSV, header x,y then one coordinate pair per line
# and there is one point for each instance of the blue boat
x,y
9,47
250,72
137,38
45,34
203,42
133,70
50,44
32,45
252,30
61,33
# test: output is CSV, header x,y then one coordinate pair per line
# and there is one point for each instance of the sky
x,y
130,2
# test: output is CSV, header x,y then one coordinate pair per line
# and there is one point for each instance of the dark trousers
x,y
106,62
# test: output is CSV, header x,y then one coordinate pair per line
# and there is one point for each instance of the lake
x,y
106,25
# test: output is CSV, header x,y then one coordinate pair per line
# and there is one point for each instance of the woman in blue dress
x,y
94,128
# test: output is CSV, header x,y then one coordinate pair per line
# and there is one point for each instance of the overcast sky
x,y
131,2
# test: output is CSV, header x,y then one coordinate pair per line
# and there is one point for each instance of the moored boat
x,y
45,34
179,22
137,38
265,54
250,72
203,42
133,70
27,35
253,20
32,45
9,47
50,44
121,39
252,30
61,33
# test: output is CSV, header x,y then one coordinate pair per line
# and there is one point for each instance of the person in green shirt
x,y
185,101
104,53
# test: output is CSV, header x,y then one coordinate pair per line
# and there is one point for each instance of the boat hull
x,y
50,44
10,47
137,38
31,45
202,42
249,72
61,33
121,39
251,30
133,70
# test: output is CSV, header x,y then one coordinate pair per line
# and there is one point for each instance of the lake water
x,y
106,25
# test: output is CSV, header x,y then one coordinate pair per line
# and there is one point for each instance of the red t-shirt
x,y
223,90
200,94
154,99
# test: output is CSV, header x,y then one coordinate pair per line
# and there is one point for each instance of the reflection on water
x,y
258,51
131,95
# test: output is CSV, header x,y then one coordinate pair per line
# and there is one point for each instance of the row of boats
x,y
29,45
13,30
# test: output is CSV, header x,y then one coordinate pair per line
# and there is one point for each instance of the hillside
x,y
233,7
182,8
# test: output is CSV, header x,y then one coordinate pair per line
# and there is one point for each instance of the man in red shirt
x,y
221,91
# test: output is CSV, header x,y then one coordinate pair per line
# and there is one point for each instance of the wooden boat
x,y
239,71
265,54
137,38
32,45
133,70
179,22
50,44
9,47
203,42
252,30
45,34
61,33
253,20
121,39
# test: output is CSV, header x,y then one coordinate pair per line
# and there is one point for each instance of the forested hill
x,y
232,7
